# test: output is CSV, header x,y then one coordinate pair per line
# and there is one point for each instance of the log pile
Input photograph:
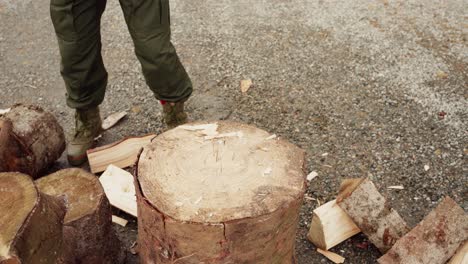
x,y
31,139
218,193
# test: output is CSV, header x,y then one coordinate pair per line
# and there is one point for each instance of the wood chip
x,y
113,119
4,111
119,188
238,134
312,175
335,258
119,220
206,129
245,85
271,137
396,187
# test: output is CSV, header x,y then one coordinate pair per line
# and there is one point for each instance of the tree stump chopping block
x,y
88,230
30,222
218,193
30,140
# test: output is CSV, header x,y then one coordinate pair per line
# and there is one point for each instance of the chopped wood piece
x,y
122,154
112,120
88,232
30,222
119,220
30,140
434,240
335,258
461,256
331,226
369,210
208,202
4,111
119,188
245,85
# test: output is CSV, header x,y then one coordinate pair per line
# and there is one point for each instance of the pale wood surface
x,y
191,178
81,189
461,256
119,188
369,210
335,258
122,154
88,233
331,226
30,222
434,240
18,196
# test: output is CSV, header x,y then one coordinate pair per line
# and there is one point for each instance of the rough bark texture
x,y
369,210
247,235
33,235
30,140
88,231
434,240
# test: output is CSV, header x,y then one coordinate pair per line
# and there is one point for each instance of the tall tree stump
x,y
88,230
30,222
30,140
219,193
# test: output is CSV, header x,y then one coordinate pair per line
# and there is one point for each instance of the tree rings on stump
x,y
219,193
31,222
88,230
30,140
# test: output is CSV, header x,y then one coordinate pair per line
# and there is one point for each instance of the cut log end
x,y
88,232
215,193
18,197
257,175
82,190
30,140
24,212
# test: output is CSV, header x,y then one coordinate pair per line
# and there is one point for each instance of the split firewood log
x,y
434,240
369,210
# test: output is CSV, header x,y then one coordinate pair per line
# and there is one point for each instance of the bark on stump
x,y
88,231
218,193
30,140
30,222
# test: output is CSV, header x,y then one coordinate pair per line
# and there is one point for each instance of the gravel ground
x,y
368,88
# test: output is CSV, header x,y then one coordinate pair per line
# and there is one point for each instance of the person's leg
x,y
77,25
149,24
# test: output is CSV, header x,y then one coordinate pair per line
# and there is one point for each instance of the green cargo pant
x,y
77,25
